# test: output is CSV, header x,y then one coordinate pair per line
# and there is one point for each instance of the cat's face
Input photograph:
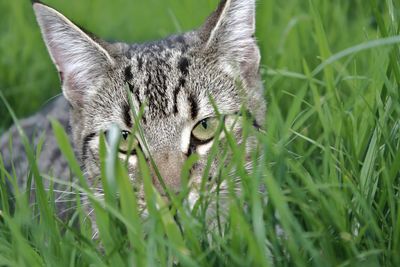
x,y
174,80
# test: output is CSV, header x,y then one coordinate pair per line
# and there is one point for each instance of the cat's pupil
x,y
204,123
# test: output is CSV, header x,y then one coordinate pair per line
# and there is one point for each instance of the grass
x,y
332,157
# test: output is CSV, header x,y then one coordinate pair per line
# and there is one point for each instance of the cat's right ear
x,y
229,34
81,61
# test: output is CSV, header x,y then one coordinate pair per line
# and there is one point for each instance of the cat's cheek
x,y
203,150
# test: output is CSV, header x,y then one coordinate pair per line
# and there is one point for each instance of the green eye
x,y
128,143
206,129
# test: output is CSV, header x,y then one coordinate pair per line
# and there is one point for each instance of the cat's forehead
x,y
157,58
166,49
158,74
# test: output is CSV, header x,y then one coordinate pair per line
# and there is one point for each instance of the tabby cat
x,y
178,80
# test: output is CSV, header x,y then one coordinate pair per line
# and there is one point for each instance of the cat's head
x,y
177,80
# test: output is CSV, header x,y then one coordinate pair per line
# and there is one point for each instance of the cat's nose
x,y
169,166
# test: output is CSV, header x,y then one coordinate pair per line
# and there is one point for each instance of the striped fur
x,y
173,78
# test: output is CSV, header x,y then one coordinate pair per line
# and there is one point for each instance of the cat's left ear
x,y
229,32
80,59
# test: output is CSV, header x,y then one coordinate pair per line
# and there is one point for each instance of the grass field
x,y
332,147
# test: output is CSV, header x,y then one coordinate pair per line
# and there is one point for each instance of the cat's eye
x,y
206,129
128,143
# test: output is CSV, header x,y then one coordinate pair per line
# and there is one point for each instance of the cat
x,y
174,79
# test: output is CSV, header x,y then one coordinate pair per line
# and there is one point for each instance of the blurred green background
x,y
285,33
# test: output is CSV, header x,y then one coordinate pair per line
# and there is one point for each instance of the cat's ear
x,y
229,32
81,61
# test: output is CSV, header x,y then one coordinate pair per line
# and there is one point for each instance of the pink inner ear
x,y
59,58
80,60
73,90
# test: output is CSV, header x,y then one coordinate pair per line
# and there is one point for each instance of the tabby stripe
x,y
194,108
183,65
140,63
128,74
137,96
127,116
177,90
85,147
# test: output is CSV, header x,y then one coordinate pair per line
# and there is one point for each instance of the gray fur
x,y
173,77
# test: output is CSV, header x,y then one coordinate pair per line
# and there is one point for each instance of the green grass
x,y
332,157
